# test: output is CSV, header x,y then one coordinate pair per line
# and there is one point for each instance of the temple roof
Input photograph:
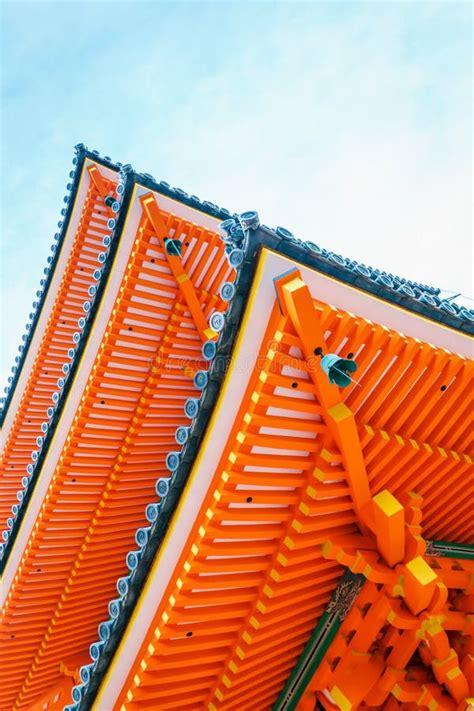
x,y
168,270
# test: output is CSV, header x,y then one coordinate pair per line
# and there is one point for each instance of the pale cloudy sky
x,y
347,122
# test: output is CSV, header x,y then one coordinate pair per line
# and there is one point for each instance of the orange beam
x,y
186,287
297,302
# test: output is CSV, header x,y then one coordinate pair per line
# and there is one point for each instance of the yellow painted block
x,y
319,474
281,559
387,503
247,638
261,607
210,333
219,695
136,680
240,437
232,457
304,508
267,591
254,622
240,652
289,542
233,667
341,700
226,681
339,412
297,525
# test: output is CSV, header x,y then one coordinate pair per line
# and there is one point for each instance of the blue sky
x,y
347,122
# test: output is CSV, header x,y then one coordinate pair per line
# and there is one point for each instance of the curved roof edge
x,y
257,238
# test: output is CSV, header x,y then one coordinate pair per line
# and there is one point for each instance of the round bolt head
x,y
181,435
141,536
151,513
114,609
122,586
201,379
217,321
191,408
227,291
209,350
162,487
236,257
172,461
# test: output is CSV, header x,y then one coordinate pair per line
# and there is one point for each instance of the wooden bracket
x,y
153,212
297,302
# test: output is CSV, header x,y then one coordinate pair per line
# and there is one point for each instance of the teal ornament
x,y
337,369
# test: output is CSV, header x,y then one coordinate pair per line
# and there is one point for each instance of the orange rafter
x,y
185,284
20,441
101,184
246,519
114,452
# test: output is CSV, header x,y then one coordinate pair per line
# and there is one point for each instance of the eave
x,y
161,567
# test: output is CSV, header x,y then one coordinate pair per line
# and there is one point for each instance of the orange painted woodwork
x,y
311,480
251,625
132,403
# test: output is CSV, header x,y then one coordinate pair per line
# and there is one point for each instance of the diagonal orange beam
x,y
296,301
98,181
153,212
